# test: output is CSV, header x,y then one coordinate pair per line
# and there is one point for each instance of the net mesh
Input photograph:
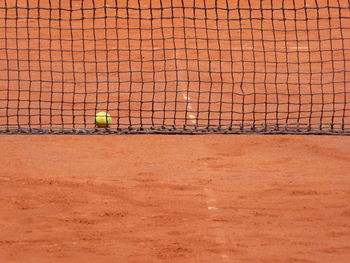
x,y
175,66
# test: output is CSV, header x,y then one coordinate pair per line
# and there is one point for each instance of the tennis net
x,y
175,66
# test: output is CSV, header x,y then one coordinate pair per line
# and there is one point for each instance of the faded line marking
x,y
306,48
183,91
220,237
189,106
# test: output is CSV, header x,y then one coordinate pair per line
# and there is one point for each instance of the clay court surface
x,y
175,66
152,198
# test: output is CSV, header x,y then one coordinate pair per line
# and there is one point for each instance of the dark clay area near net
x,y
175,66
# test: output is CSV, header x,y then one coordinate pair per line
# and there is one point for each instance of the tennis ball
x,y
103,119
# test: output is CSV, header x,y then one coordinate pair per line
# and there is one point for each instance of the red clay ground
x,y
175,199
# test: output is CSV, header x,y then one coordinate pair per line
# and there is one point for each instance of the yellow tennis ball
x,y
103,119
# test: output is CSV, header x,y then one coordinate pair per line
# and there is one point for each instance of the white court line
x,y
211,202
187,100
183,90
306,48
220,236
191,116
189,107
